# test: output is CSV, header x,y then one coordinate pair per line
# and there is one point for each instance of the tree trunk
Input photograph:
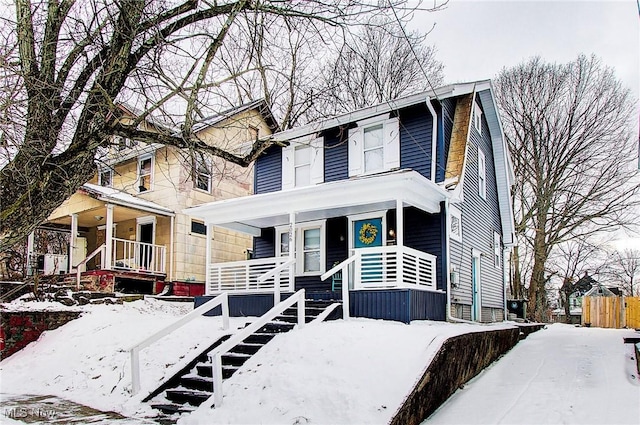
x,y
516,276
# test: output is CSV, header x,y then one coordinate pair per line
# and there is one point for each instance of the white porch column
x,y
400,239
173,219
108,239
30,247
207,260
73,242
292,256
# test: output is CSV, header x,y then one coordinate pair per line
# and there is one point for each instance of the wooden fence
x,y
611,312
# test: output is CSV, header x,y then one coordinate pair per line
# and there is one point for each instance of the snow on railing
x,y
343,267
215,356
99,250
244,276
221,300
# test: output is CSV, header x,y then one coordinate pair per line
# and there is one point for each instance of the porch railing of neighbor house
x,y
138,256
245,276
99,250
221,300
216,355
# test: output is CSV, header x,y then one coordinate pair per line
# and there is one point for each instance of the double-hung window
x,y
145,173
309,247
374,146
202,174
303,162
105,177
477,117
496,249
482,175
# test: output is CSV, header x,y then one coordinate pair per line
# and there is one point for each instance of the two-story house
x,y
402,210
127,229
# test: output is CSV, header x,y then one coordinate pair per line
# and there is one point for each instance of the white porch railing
x,y
243,276
137,256
393,267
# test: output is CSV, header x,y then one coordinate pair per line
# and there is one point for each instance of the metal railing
x,y
138,256
221,300
215,356
245,276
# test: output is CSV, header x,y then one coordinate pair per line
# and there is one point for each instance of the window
x,y
482,175
198,228
253,133
374,146
309,247
202,174
105,177
496,249
373,149
477,117
145,173
455,219
303,163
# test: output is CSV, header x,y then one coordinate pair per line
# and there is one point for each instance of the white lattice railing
x,y
393,266
242,276
138,256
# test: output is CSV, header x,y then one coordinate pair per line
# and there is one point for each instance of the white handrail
x,y
222,300
95,252
276,285
339,267
215,356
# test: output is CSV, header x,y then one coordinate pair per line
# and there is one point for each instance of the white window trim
x,y
149,219
196,173
299,245
103,171
477,117
496,249
454,212
390,144
316,169
482,174
151,174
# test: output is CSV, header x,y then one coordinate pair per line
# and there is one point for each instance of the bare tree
x,y
380,62
67,63
624,269
569,131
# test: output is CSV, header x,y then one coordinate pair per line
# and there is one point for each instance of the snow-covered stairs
x,y
194,384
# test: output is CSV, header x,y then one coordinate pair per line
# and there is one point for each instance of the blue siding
x,y
424,232
264,245
402,305
336,155
416,126
426,305
268,171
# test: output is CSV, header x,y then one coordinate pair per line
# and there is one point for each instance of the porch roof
x,y
249,214
119,197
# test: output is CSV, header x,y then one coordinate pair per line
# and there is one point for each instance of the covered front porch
x,y
335,239
110,231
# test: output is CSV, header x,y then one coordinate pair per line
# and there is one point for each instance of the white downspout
x,y
505,259
207,260
434,136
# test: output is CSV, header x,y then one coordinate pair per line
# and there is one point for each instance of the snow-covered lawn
x,y
561,375
356,371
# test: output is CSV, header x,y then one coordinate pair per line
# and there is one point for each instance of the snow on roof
x,y
260,104
122,198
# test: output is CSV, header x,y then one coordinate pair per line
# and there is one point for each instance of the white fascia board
x,y
382,108
410,187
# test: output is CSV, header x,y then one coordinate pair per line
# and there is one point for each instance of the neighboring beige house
x,y
127,226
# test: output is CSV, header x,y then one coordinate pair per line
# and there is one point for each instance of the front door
x,y
476,307
145,235
369,233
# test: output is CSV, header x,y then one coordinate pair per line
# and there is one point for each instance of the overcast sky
x,y
475,39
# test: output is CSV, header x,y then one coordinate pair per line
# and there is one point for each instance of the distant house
x,y
126,225
572,293
403,209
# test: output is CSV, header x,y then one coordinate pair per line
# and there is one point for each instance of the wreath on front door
x,y
368,233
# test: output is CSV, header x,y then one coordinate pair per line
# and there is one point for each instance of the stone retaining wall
x,y
17,329
459,359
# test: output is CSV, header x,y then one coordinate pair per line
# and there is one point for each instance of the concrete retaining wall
x,y
459,359
17,329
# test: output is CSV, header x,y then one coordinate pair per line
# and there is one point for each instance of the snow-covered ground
x,y
561,375
356,371
340,372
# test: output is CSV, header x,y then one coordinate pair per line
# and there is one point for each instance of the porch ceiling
x,y
346,197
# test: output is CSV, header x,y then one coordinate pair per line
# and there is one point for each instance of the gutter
x,y
434,134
